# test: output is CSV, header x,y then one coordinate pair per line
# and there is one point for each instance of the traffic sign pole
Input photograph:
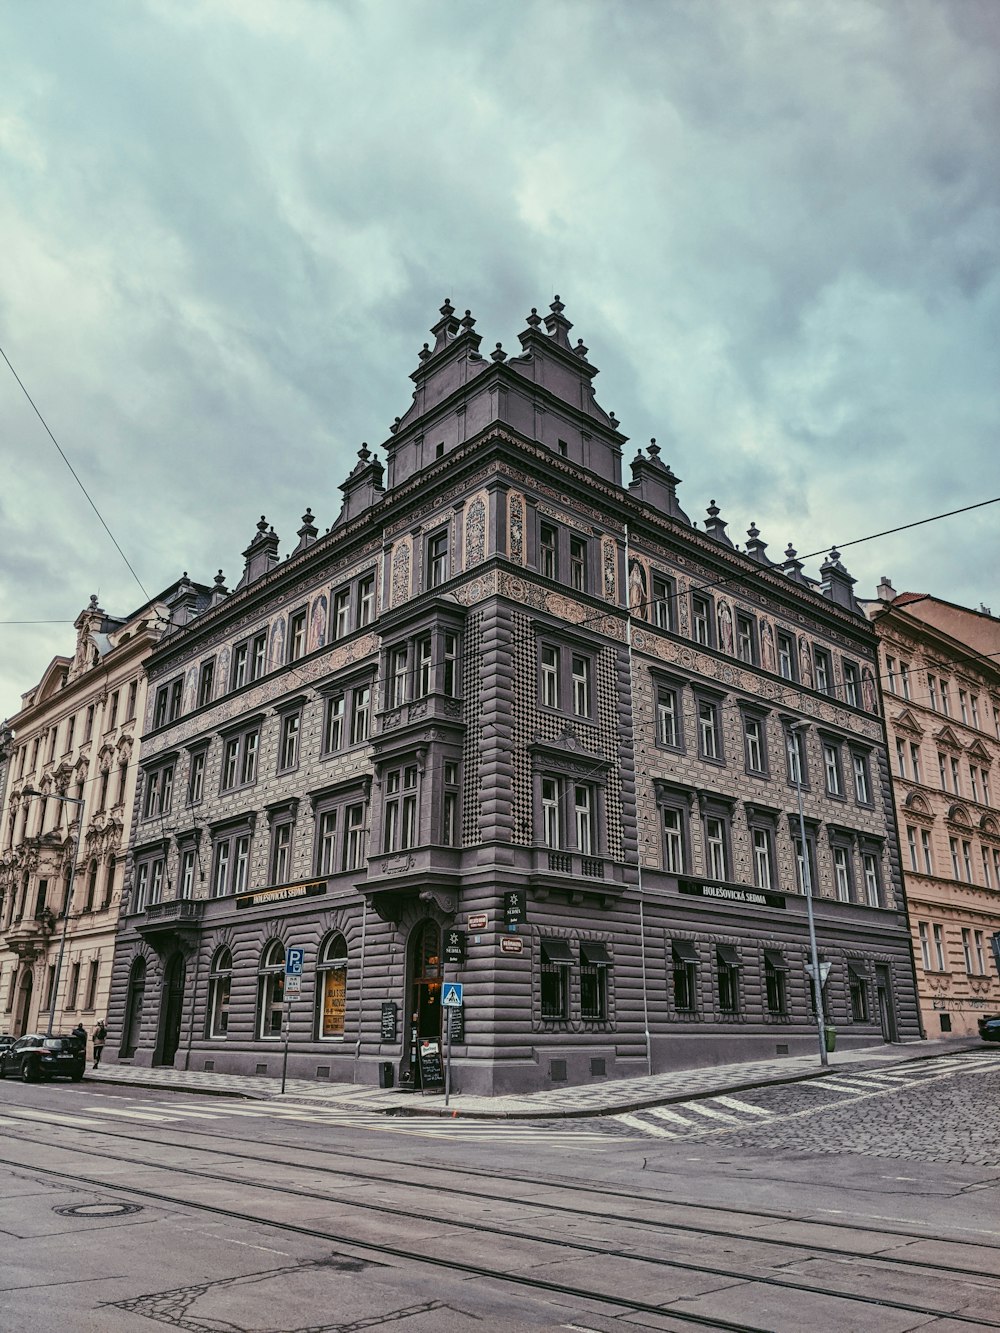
x,y
447,1050
293,986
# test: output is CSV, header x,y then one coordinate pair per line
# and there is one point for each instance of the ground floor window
x,y
727,962
595,966
684,959
271,991
556,960
858,986
331,990
220,983
775,982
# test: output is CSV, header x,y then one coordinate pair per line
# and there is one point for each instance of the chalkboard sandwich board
x,y
431,1071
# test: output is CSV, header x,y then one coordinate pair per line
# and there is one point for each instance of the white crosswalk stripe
x,y
712,1113
636,1122
735,1104
667,1113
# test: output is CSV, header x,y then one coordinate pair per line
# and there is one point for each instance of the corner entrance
x,y
425,992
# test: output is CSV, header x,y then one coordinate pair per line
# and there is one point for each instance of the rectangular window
x,y
939,948
400,823
842,873
366,600
206,680
186,885
74,986
904,679
333,724
159,790
831,768
727,965
956,785
890,674
979,945
810,854
873,887
581,685
967,861
424,664
798,773
437,559
774,982
858,987
986,868
684,960
974,705
341,613
550,676
925,947
756,749
176,699
449,805
248,767
852,683
932,691
862,786
258,656
900,758
709,730
974,782
548,551
701,619
673,841
578,564
925,847
595,964
88,729
943,771
296,635
716,857
361,701
160,706
762,858
398,676
449,679
239,760
288,746
967,948
326,842
281,853
356,837
668,717
746,638
915,761
945,699
239,672
824,671
955,865
963,706
786,656
551,814
911,842
583,809
663,602
91,995
196,777
556,958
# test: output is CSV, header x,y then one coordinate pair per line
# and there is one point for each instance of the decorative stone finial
x,y
654,448
498,354
220,580
447,310
468,322
533,319
424,352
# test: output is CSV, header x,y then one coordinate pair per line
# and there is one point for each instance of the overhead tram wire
x,y
76,477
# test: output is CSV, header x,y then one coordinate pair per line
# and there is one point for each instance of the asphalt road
x,y
862,1202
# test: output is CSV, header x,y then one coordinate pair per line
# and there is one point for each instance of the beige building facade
x,y
941,679
72,758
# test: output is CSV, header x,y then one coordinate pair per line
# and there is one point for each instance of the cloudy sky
x,y
227,226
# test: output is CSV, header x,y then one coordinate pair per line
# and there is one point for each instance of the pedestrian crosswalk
x,y
94,1115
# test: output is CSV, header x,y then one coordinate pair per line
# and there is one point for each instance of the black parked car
x,y
989,1027
36,1057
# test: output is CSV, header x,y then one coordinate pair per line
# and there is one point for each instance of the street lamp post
x,y
795,761
74,845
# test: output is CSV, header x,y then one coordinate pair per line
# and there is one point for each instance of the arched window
x,y
133,1007
220,980
331,988
271,990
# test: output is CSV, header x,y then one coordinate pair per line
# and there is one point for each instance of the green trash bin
x,y
830,1037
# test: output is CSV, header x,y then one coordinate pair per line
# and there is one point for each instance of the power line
x,y
76,478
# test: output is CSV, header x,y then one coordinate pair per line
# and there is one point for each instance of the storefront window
x,y
331,991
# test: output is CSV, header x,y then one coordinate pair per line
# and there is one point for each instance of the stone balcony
x,y
29,936
175,922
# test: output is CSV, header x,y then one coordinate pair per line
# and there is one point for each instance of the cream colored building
x,y
75,743
941,679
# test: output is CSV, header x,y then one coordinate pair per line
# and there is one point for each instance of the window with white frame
x,y
158,790
230,861
702,620
852,683
795,751
281,850
911,844
979,944
716,819
932,698
754,741
709,712
831,768
240,753
842,875
437,559
196,776
185,886
823,668
926,849
873,883
967,948
956,868
810,853
746,638
288,741
297,627
762,850
925,946
662,607
939,955
787,657
915,762
862,778
669,732
450,797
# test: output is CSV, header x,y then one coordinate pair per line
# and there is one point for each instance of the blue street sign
x,y
452,997
293,962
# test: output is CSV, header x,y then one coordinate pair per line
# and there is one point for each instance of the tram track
x,y
435,1169
886,1263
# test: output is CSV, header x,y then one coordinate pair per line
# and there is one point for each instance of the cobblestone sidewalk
x,y
594,1099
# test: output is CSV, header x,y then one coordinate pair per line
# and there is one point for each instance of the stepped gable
x,y
545,393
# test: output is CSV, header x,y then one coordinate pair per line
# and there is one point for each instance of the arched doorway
x,y
24,992
133,1007
425,989
173,1006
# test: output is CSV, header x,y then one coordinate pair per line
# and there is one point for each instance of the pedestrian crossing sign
x,y
452,997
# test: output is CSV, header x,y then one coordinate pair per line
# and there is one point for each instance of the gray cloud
x,y
227,227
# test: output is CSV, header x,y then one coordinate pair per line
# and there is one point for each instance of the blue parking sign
x,y
293,962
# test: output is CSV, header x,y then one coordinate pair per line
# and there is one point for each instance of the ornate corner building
x,y
940,669
72,761
512,723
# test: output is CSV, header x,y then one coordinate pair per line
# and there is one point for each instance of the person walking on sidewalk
x,y
100,1037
